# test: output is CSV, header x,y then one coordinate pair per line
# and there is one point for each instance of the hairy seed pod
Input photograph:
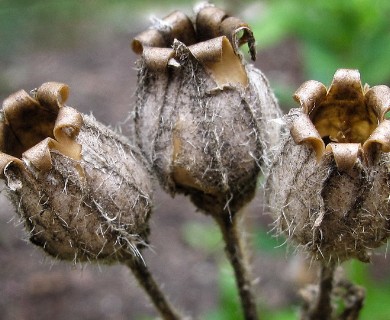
x,y
329,185
82,191
203,115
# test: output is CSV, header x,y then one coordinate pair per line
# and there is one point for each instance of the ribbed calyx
x,y
329,185
202,114
82,191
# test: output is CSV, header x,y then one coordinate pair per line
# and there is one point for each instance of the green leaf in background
x,y
376,304
284,95
229,307
267,242
283,314
334,34
203,236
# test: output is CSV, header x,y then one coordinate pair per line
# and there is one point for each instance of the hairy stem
x,y
353,298
322,309
147,282
236,255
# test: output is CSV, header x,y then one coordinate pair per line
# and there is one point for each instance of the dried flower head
x,y
203,114
329,185
82,191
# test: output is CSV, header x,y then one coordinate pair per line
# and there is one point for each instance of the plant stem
x,y
236,255
147,282
353,299
322,309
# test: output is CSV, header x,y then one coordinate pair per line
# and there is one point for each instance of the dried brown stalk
x,y
321,308
235,252
203,119
333,288
82,191
329,185
148,283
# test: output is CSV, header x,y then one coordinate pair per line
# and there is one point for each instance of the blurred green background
x,y
87,45
323,35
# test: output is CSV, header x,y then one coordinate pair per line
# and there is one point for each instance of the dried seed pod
x,y
329,185
82,191
202,114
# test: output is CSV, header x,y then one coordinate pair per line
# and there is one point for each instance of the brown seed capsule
x,y
328,187
202,114
82,191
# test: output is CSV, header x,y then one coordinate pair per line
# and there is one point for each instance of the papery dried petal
x,y
303,131
83,192
380,138
331,213
212,22
344,114
334,204
205,121
310,94
218,57
345,155
346,86
378,97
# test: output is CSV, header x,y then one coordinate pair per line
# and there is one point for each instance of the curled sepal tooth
x,y
204,117
213,22
328,187
82,191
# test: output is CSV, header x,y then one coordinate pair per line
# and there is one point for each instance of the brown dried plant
x,y
203,120
207,125
329,185
82,191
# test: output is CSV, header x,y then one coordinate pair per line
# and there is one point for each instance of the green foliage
x,y
27,25
283,314
202,236
266,242
229,307
377,292
334,34
207,237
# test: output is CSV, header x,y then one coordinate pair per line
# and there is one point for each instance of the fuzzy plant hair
x,y
203,114
83,192
204,120
328,187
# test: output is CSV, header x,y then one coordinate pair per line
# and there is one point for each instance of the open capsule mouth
x,y
31,126
346,120
26,122
210,22
213,39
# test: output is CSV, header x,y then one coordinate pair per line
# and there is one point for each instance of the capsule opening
x,y
344,121
25,123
